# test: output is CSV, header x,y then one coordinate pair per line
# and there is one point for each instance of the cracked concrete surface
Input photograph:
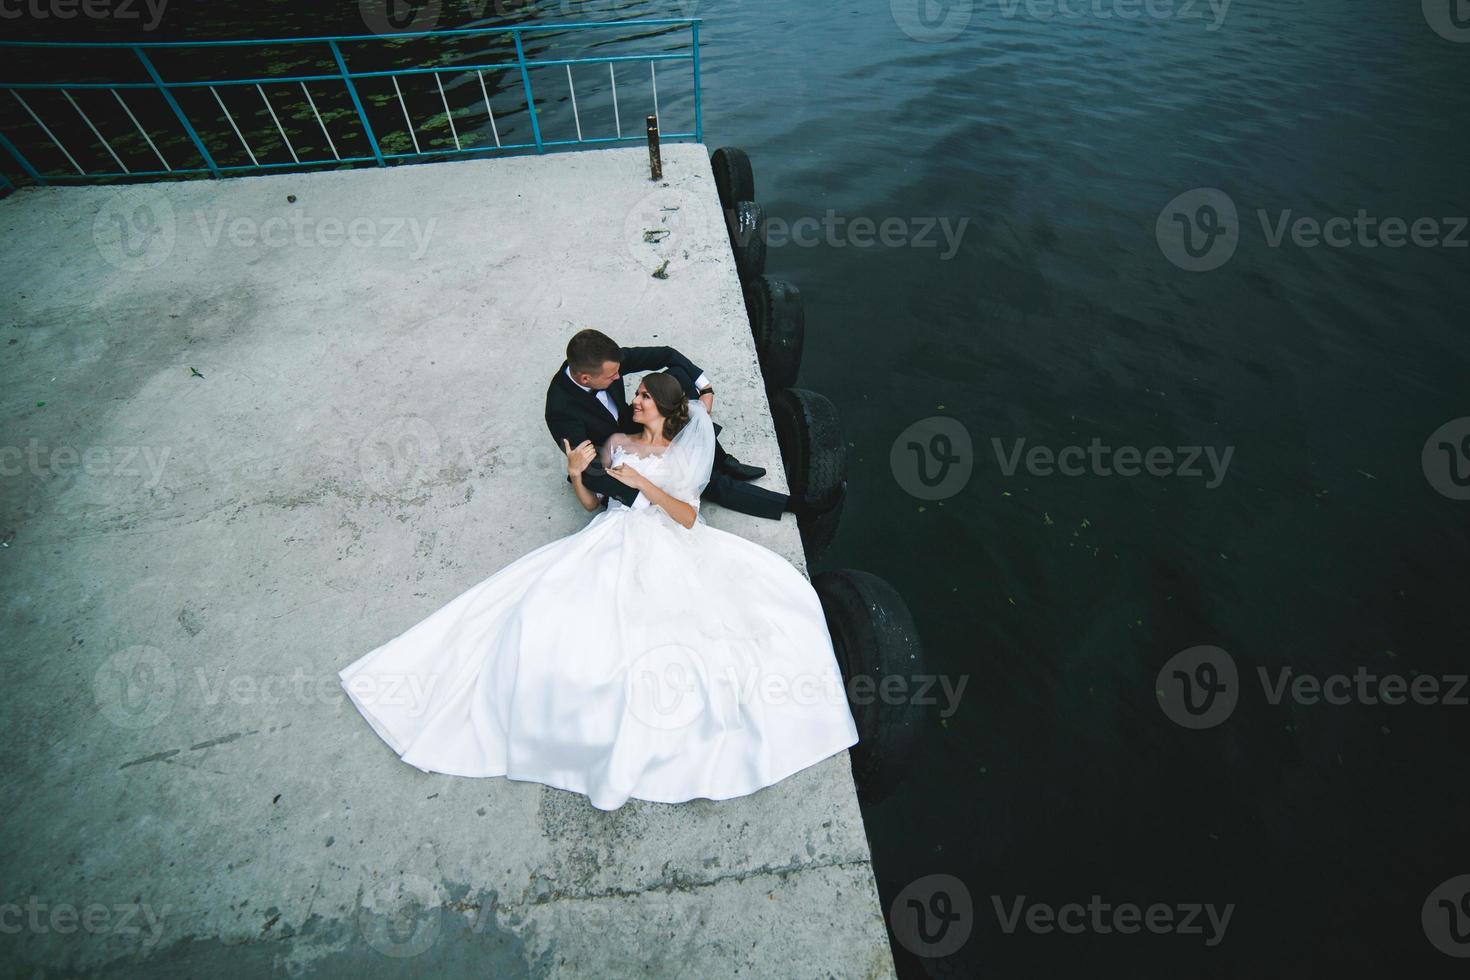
x,y
238,450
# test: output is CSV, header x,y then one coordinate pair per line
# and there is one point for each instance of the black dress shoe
x,y
733,467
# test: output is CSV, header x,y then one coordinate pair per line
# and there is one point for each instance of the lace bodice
x,y
650,465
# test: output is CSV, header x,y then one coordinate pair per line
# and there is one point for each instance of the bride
x,y
648,655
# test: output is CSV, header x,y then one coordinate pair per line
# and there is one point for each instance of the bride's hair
x,y
673,404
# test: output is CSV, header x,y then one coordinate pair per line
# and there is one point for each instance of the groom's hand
x,y
708,401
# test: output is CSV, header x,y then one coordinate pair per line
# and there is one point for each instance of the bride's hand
x,y
628,476
580,458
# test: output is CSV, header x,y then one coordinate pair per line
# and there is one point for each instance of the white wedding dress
x,y
635,658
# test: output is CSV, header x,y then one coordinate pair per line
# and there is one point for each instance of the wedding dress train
x,y
634,658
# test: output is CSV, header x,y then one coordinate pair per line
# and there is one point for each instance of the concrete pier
x,y
254,428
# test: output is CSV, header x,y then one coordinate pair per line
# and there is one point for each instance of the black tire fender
x,y
778,323
819,530
746,222
734,180
874,637
812,448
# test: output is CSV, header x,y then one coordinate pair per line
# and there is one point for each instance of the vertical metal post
x,y
526,84
361,114
174,105
698,100
655,159
25,164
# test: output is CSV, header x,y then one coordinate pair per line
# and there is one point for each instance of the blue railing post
x,y
526,83
25,164
367,127
179,112
698,102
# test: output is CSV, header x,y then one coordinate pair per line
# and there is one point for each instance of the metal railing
x,y
199,138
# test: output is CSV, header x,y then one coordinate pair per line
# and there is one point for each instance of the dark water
x,y
1059,318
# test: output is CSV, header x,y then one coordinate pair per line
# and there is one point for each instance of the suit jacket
x,y
576,415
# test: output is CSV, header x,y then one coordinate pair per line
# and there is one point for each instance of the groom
x,y
586,402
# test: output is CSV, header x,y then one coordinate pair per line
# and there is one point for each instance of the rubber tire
x,y
819,530
873,635
746,223
734,179
778,323
812,449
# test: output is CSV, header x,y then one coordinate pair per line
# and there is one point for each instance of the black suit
x,y
575,415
